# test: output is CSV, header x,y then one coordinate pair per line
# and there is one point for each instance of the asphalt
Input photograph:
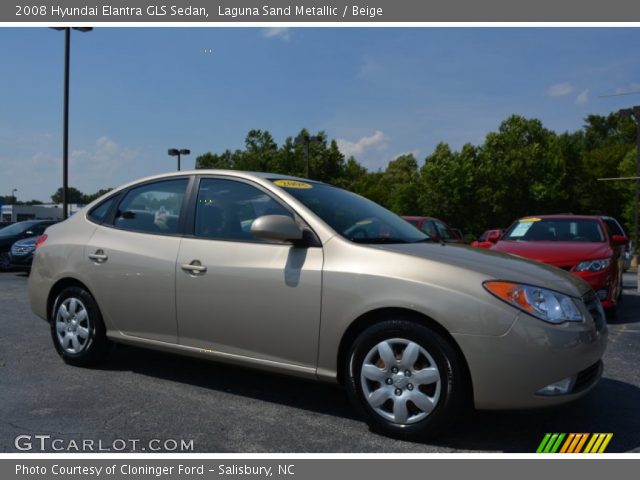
x,y
139,395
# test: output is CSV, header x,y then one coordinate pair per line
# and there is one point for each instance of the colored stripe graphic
x,y
574,443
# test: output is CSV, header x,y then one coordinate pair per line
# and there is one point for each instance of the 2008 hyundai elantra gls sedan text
x,y
300,277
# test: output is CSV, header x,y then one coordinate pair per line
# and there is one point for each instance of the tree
x,y
73,196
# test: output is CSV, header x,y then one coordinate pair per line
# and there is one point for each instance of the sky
x,y
380,92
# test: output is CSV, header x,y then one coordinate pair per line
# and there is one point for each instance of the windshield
x,y
15,229
555,230
352,216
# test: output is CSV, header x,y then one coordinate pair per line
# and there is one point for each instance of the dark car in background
x,y
580,244
436,229
21,253
19,231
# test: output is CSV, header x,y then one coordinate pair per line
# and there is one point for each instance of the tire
x,y
77,329
386,398
5,263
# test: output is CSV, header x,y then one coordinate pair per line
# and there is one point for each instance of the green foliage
x,y
76,196
521,169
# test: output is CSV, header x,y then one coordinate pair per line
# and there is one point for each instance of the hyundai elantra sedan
x,y
303,278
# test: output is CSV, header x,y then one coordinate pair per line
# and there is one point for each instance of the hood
x,y
556,253
495,265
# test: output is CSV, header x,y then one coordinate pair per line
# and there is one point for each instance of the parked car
x,y
436,229
626,250
578,244
488,239
5,224
303,278
18,231
21,253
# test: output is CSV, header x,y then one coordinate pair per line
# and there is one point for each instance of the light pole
x,y
634,112
65,133
174,152
307,139
13,194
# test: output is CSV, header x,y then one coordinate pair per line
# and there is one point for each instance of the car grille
x,y
595,309
20,250
587,377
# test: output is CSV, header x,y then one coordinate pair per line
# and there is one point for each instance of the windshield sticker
x,y
292,184
522,228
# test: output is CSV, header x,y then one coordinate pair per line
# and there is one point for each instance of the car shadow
x,y
610,407
265,386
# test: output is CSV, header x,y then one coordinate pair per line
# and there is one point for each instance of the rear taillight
x,y
41,239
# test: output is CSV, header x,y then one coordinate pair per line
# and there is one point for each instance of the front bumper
x,y
602,283
508,371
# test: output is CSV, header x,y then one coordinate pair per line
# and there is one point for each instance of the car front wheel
x,y
77,328
406,379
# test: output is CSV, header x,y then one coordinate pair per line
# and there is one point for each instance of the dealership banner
x,y
315,469
344,11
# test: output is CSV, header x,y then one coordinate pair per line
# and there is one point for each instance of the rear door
x,y
131,260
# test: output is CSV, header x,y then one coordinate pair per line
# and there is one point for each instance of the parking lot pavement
x,y
143,395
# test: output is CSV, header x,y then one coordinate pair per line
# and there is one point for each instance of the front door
x,y
246,297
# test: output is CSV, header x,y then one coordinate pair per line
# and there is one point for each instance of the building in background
x,y
18,213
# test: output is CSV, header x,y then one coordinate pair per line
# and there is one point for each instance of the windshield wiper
x,y
379,240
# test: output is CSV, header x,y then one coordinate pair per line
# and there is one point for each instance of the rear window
x,y
99,213
556,230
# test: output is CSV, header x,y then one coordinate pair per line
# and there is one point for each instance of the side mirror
x,y
619,240
276,227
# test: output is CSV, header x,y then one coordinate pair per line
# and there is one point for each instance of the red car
x,y
436,229
488,239
579,244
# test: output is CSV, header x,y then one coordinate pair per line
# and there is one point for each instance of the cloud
x,y
560,89
103,160
370,68
283,33
377,141
415,154
583,97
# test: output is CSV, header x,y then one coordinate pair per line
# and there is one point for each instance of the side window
x,y
99,213
429,228
443,231
227,208
152,208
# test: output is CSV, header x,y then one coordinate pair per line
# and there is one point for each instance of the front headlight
x,y
593,265
547,305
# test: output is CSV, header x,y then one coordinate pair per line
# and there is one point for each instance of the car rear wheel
x,y
406,379
77,328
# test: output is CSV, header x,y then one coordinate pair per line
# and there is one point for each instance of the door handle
x,y
194,267
99,256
